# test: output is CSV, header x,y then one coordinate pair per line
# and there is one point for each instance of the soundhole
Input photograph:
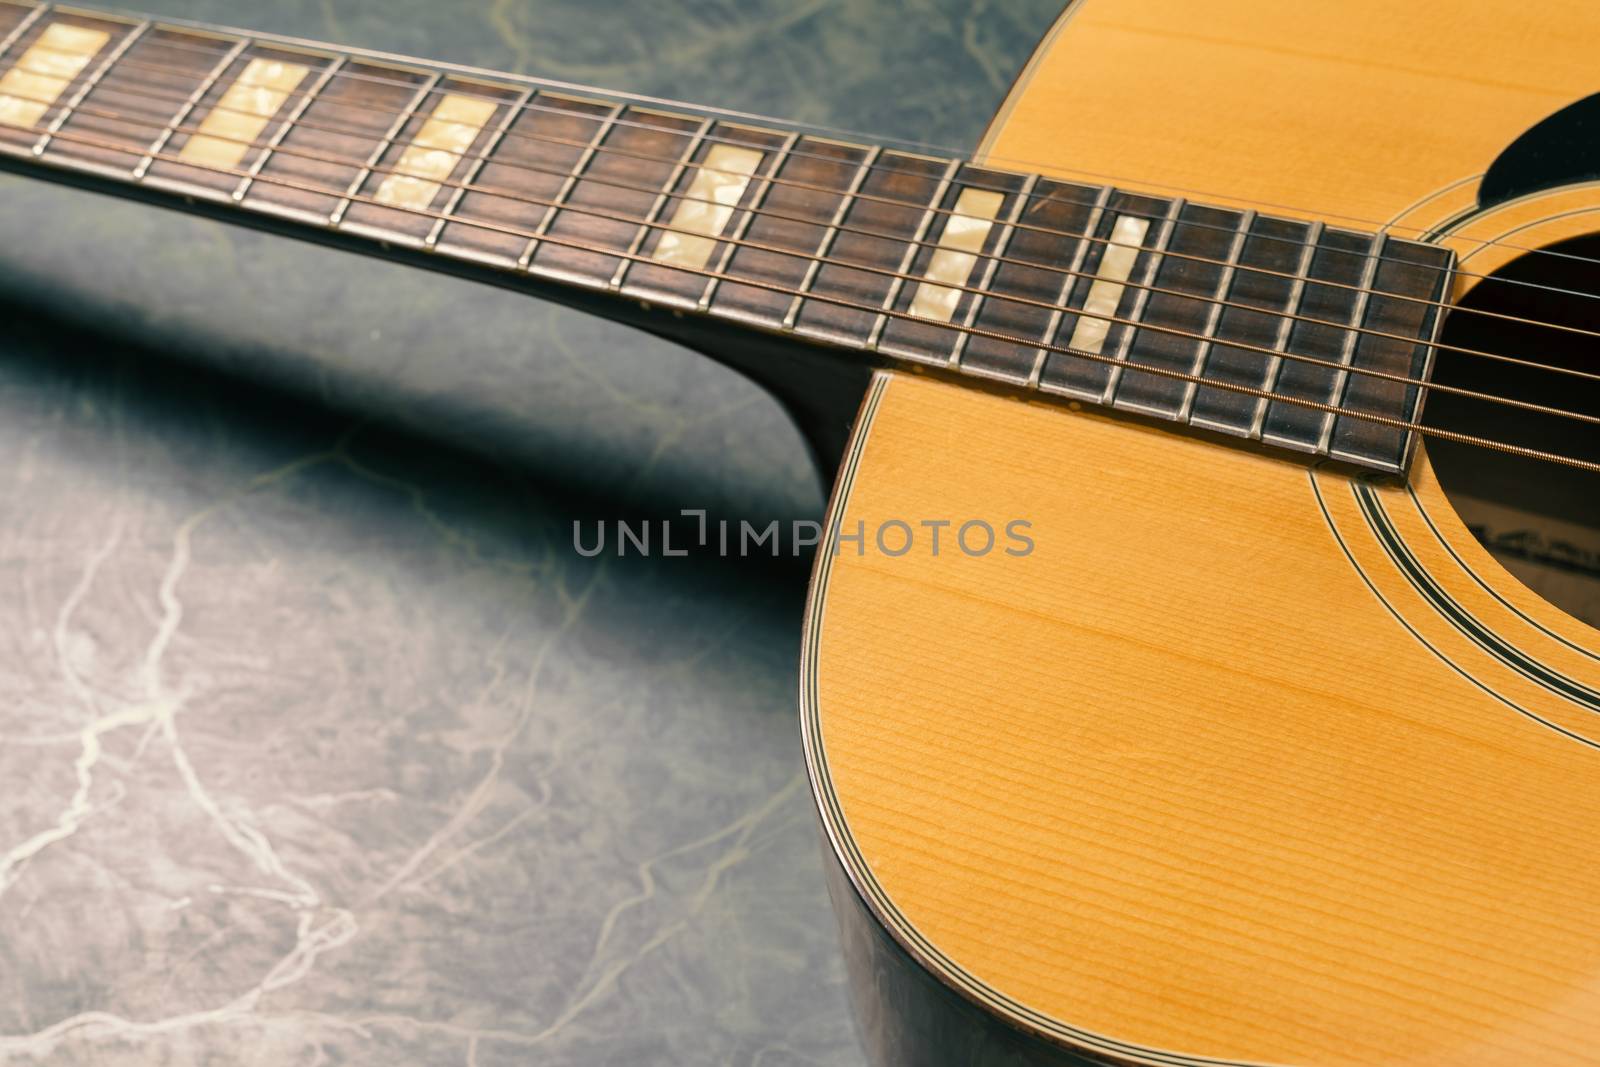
x,y
1540,520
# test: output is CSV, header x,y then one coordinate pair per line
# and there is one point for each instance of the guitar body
x,y
1131,745
1244,761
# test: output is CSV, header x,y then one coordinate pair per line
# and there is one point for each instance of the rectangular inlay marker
x,y
226,135
707,206
1106,293
964,234
30,88
433,153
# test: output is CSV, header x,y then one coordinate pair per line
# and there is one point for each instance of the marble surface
x,y
319,742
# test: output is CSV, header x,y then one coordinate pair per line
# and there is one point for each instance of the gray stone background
x,y
319,743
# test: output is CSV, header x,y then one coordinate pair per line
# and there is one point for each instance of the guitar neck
x,y
698,224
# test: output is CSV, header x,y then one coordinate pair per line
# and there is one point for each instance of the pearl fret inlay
x,y
229,131
717,188
431,157
1106,293
30,88
964,233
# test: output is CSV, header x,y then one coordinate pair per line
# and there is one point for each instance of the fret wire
x,y
992,265
876,333
1214,315
684,159
1347,351
21,28
740,228
1293,303
861,267
288,123
480,158
818,262
171,128
322,50
275,147
1430,354
378,80
94,79
601,132
1109,318
846,200
375,79
1058,311
995,335
336,216
870,197
1156,251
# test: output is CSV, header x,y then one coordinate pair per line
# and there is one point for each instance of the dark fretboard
x,y
1292,333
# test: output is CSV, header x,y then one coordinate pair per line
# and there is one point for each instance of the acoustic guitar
x,y
1200,665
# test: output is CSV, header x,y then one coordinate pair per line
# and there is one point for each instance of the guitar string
x,y
346,74
646,225
322,50
301,123
191,29
631,221
877,165
976,291
887,312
